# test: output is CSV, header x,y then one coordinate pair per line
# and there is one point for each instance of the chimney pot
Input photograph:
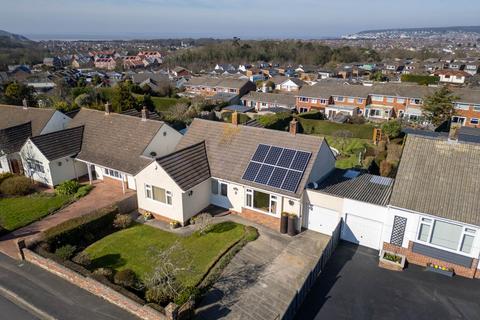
x,y
293,126
108,108
144,113
235,118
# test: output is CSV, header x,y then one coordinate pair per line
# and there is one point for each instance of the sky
x,y
250,19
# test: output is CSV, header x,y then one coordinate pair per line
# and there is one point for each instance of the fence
x,y
314,274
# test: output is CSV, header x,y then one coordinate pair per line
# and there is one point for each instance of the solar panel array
x,y
277,167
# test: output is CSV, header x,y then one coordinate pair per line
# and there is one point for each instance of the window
x,y
476,107
474,121
303,99
351,100
314,101
158,194
415,101
400,100
303,110
460,120
390,99
112,173
223,189
446,235
219,188
462,106
360,100
339,99
261,201
323,101
35,166
377,98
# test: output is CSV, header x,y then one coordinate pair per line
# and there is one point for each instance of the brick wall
x,y
94,287
422,260
263,219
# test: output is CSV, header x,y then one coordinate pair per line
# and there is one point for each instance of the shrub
x,y
380,157
420,79
185,295
126,278
122,221
16,186
385,168
65,252
4,176
104,272
278,121
82,259
251,233
67,188
314,114
157,295
83,191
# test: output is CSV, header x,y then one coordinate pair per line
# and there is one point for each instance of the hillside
x,y
17,49
13,36
448,32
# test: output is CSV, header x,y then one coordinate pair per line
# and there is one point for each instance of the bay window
x,y
158,194
446,235
261,201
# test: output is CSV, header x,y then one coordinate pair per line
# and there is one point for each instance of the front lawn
x,y
17,212
328,128
132,249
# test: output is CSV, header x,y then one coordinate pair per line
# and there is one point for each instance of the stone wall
x,y
95,287
422,260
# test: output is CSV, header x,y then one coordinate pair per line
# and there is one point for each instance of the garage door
x,y
362,231
322,220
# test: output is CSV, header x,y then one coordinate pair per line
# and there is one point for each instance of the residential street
x,y
50,295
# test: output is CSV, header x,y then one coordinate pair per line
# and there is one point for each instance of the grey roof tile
x,y
59,144
13,138
14,115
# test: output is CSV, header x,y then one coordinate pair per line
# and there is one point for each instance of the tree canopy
x,y
438,107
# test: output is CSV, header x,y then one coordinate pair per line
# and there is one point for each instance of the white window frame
x,y
249,197
461,120
339,98
377,98
390,99
350,100
35,166
360,100
219,184
467,230
415,101
462,106
112,174
314,101
476,107
400,100
323,101
303,110
149,195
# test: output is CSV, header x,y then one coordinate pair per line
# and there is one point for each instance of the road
x,y
49,296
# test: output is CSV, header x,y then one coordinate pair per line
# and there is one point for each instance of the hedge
x,y
277,121
83,230
420,79
323,127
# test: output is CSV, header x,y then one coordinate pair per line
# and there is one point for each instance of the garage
x,y
322,220
362,231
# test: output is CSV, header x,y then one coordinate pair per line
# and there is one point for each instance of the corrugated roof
x,y
14,115
59,144
13,138
187,167
362,187
439,177
230,148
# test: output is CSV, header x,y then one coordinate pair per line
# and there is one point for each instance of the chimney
x,y
25,104
144,113
235,118
108,108
454,131
293,126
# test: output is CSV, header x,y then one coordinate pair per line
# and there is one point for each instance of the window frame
x,y
219,188
149,194
250,200
106,172
35,166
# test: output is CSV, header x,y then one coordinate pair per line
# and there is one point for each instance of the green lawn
x,y
19,211
349,149
163,103
328,128
131,248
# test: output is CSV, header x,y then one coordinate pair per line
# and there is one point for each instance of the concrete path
x,y
50,297
101,196
263,277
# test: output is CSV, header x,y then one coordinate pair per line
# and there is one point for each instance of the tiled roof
x,y
364,187
187,167
115,141
13,138
59,144
284,99
14,115
135,113
217,82
230,148
439,177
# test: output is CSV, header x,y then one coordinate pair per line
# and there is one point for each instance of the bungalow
x,y
209,87
49,158
263,101
254,172
452,76
116,147
287,84
17,124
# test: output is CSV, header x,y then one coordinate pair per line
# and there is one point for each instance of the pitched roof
x,y
438,177
135,113
362,187
187,167
285,99
13,138
230,148
217,82
59,144
115,141
14,115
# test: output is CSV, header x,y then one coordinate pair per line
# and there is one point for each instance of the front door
x,y
15,166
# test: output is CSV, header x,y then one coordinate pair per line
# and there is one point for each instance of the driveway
x,y
352,286
102,195
262,279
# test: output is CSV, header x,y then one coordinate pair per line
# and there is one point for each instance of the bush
x,y
126,278
278,121
251,233
185,295
420,79
122,221
82,259
385,168
83,191
314,114
158,296
4,176
65,252
67,188
380,157
16,186
104,272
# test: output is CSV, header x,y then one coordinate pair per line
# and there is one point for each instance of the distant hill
x,y
467,29
13,36
16,49
416,32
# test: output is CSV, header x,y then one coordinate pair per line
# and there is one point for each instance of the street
x,y
9,310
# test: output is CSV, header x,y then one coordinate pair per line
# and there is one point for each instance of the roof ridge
x,y
181,150
56,132
126,115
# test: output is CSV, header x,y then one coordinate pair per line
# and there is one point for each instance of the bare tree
x,y
203,222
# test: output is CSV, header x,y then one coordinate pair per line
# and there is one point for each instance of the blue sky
x,y
228,18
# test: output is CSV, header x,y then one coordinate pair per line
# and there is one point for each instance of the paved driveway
x,y
353,287
101,196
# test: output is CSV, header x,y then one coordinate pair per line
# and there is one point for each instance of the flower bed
x,y
391,260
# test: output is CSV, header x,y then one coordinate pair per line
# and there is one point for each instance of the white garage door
x,y
322,220
362,231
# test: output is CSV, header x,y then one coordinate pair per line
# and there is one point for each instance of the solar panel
x,y
251,171
261,153
292,179
264,174
300,161
277,167
273,155
286,158
277,177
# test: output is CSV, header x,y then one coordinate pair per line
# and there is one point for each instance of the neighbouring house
x,y
180,72
255,172
105,63
17,124
210,87
286,84
54,62
116,147
49,158
263,101
452,76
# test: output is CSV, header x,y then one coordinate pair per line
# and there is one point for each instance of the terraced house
x,y
385,101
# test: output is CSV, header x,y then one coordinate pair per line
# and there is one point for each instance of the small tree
x,y
343,136
391,129
203,221
438,107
